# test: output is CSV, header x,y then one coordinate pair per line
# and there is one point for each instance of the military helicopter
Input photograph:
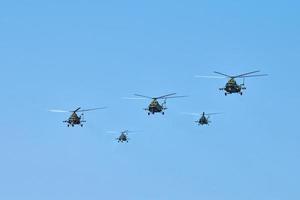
x,y
155,106
204,119
123,137
233,87
74,119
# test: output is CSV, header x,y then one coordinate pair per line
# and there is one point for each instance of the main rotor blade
x,y
131,132
249,76
126,131
223,74
139,95
76,110
91,109
164,97
208,114
213,77
245,74
59,111
175,97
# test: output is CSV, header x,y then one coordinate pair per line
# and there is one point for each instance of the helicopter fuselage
x,y
74,119
122,138
232,87
203,120
155,107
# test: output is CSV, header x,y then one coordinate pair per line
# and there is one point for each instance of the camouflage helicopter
x,y
233,87
74,119
155,106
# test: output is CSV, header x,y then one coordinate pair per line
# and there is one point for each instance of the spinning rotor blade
x,y
131,132
164,97
258,75
168,96
76,110
223,74
245,74
126,132
175,97
139,95
90,109
208,114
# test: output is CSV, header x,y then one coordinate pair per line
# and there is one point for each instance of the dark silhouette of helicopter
x,y
123,137
74,119
233,87
155,106
204,119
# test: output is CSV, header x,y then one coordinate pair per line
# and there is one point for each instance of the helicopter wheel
x,y
68,125
225,94
81,125
163,113
241,93
72,125
148,113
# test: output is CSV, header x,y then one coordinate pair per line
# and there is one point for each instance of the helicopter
x,y
204,119
233,87
123,137
74,119
155,106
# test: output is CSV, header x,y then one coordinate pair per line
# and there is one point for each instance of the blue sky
x,y
65,54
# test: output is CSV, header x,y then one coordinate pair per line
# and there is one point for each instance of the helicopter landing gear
x,y
68,125
163,113
81,125
241,93
225,94
72,125
148,113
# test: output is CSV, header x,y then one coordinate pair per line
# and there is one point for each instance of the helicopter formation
x,y
155,106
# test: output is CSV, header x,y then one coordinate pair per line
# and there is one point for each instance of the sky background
x,y
66,54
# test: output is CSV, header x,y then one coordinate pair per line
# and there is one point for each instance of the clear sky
x,y
65,54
